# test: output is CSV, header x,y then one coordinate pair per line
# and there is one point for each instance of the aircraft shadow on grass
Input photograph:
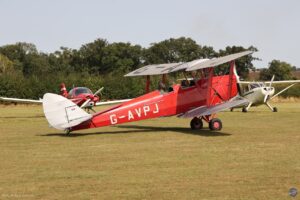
x,y
205,132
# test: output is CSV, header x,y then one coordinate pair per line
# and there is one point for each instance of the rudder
x,y
62,113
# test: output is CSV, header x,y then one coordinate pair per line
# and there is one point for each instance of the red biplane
x,y
200,98
81,96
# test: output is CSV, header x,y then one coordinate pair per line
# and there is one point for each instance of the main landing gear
x,y
214,124
196,123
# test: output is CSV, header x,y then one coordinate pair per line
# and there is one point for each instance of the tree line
x,y
26,72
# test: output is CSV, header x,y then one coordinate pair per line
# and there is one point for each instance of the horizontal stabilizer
x,y
204,110
62,113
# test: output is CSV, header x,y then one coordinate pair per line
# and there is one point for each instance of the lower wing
x,y
205,110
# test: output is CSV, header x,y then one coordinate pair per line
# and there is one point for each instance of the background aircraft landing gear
x,y
275,109
244,110
196,123
67,131
215,124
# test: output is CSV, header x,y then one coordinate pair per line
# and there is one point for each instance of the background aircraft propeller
x,y
90,99
269,90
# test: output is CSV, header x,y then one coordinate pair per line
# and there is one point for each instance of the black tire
x,y
215,124
275,109
196,123
244,110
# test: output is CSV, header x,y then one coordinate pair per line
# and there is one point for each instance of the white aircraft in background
x,y
260,93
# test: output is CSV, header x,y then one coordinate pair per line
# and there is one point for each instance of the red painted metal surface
x,y
206,92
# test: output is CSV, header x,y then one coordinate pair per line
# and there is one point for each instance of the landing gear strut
x,y
273,109
67,131
196,123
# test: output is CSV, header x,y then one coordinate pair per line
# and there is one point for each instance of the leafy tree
x,y
281,70
175,50
6,65
91,55
36,64
121,57
18,52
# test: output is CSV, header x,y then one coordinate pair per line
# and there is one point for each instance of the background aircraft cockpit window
x,y
82,90
255,85
70,94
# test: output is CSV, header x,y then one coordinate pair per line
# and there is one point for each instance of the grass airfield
x,y
255,156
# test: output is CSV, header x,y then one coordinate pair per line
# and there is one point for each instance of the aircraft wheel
x,y
231,109
196,123
275,109
215,124
244,110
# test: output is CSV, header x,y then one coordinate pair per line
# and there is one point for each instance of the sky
x,y
273,26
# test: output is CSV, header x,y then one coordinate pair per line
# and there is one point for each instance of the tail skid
x,y
62,113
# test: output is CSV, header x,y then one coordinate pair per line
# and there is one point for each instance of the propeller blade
x,y
85,103
272,80
99,91
266,98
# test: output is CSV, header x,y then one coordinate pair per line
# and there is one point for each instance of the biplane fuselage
x,y
205,92
200,99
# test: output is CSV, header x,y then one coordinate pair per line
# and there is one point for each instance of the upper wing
x,y
157,69
204,110
111,102
21,100
154,69
218,61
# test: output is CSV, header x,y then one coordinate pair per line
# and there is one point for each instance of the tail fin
x,y
63,90
62,113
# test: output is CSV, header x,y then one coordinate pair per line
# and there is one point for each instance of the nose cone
x,y
268,91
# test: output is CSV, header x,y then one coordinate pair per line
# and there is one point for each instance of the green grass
x,y
255,156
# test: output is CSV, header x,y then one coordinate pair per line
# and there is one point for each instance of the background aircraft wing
x,y
218,61
282,82
21,100
111,102
204,110
246,82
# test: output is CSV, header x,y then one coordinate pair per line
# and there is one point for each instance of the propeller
x,y
90,99
270,85
266,98
269,89
99,91
85,103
